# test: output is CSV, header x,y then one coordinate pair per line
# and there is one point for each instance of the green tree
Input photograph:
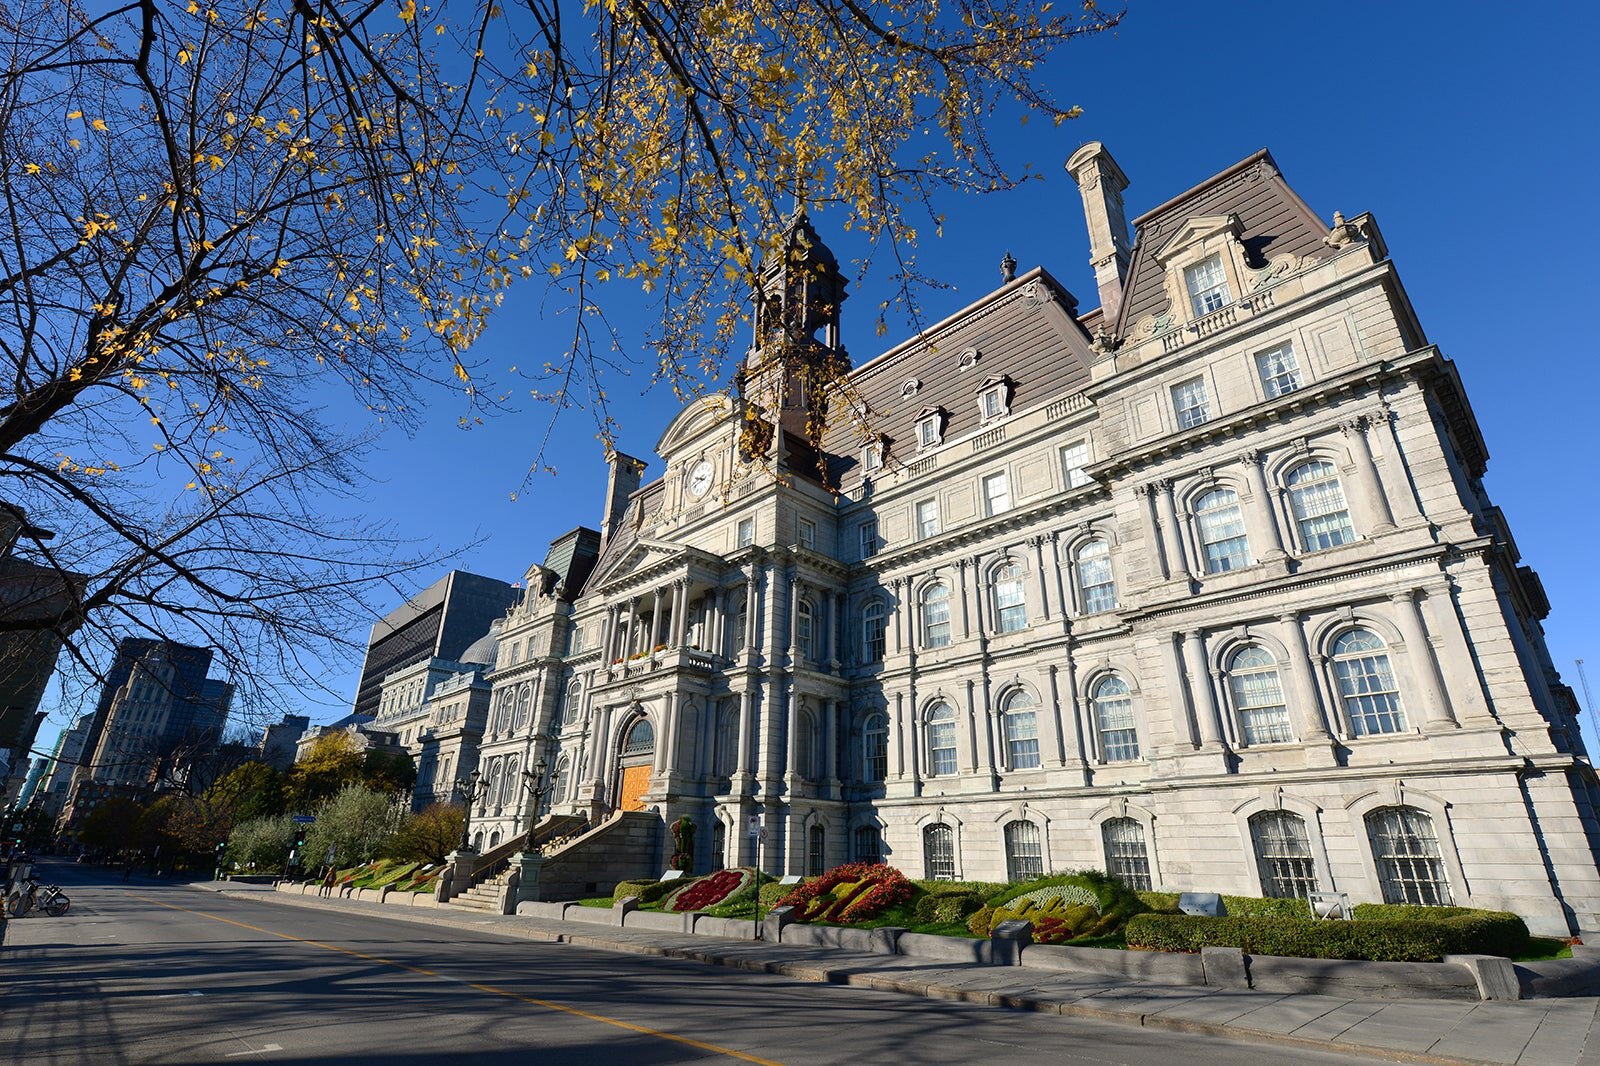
x,y
182,825
389,771
358,824
332,763
254,790
262,843
112,826
430,834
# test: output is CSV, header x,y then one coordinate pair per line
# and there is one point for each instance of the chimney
x,y
622,483
1100,182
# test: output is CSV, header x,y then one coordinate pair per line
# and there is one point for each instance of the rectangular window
x,y
996,494
992,403
1074,457
928,518
1208,286
747,532
808,534
928,432
872,457
1279,370
869,538
1189,403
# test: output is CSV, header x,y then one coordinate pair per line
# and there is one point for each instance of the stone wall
x,y
626,847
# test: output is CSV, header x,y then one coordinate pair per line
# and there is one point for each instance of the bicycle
x,y
48,898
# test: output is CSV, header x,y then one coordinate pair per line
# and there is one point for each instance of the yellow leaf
x,y
183,56
98,125
408,10
461,372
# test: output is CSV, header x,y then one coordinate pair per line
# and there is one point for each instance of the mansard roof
x,y
1274,221
1025,331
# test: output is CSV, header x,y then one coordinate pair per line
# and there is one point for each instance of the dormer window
x,y
994,399
930,427
872,455
1208,286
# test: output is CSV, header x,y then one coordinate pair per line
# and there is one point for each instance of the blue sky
x,y
1468,130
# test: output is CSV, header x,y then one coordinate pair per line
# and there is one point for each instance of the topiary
x,y
978,923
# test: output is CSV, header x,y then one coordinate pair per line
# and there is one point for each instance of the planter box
x,y
731,928
945,948
1161,967
882,941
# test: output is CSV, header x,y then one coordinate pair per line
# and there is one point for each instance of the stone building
x,y
1201,586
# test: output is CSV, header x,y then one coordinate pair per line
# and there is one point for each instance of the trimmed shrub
x,y
1160,902
945,907
1237,906
772,892
1381,940
854,892
647,891
1062,907
981,921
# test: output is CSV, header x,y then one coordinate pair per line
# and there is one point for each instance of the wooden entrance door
x,y
635,779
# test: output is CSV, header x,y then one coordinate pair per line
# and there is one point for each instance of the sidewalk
x,y
1542,1032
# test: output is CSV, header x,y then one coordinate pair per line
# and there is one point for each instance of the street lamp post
x,y
468,788
533,780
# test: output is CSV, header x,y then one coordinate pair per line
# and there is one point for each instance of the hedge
x,y
648,891
1405,939
1236,906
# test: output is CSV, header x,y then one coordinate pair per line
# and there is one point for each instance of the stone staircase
x,y
487,896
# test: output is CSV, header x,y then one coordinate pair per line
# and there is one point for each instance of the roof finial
x,y
1008,268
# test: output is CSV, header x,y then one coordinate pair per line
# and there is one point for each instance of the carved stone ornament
x,y
910,387
969,359
1342,233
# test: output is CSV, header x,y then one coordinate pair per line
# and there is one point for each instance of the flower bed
x,y
709,890
854,892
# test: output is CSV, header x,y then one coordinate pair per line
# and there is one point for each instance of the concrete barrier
x,y
1157,967
1224,967
945,948
882,941
729,928
1577,976
552,911
1347,977
593,915
662,921
1495,977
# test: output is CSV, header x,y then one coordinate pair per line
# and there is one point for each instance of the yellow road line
x,y
547,1004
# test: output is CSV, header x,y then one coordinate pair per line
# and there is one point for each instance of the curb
x,y
822,974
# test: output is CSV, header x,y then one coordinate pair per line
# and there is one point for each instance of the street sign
x,y
755,826
303,819
329,860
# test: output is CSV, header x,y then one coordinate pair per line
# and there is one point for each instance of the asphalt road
x,y
157,973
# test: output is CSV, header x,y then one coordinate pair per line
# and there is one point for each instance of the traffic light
x,y
299,836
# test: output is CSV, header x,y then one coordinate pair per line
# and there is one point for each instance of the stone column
x,y
1200,690
1305,708
664,734
631,638
747,724
1052,748
830,741
1401,493
794,735
973,745
656,636
897,748
1037,544
1462,684
1171,531
1424,670
718,638
1366,472
1266,519
1160,561
961,587
897,589
680,612
837,631
794,617
608,639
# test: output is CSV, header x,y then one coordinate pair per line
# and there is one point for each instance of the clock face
x,y
700,478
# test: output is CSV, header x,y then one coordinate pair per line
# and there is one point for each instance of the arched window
x,y
491,783
942,740
1220,522
719,845
1126,857
939,852
1095,581
724,760
806,747
508,783
524,707
1010,606
868,845
494,840
1366,684
805,630
641,738
816,851
574,700
1317,501
502,711
1406,850
558,784
875,748
1113,715
874,623
1024,856
936,615
1257,693
1021,729
741,618
1283,855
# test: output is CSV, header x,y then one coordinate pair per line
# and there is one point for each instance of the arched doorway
x,y
635,761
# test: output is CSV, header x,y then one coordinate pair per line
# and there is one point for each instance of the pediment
x,y
640,555
1197,229
698,417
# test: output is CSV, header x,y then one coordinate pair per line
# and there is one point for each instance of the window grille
x,y
641,739
1126,857
816,851
1024,855
1283,855
939,852
875,748
719,846
869,848
1406,850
